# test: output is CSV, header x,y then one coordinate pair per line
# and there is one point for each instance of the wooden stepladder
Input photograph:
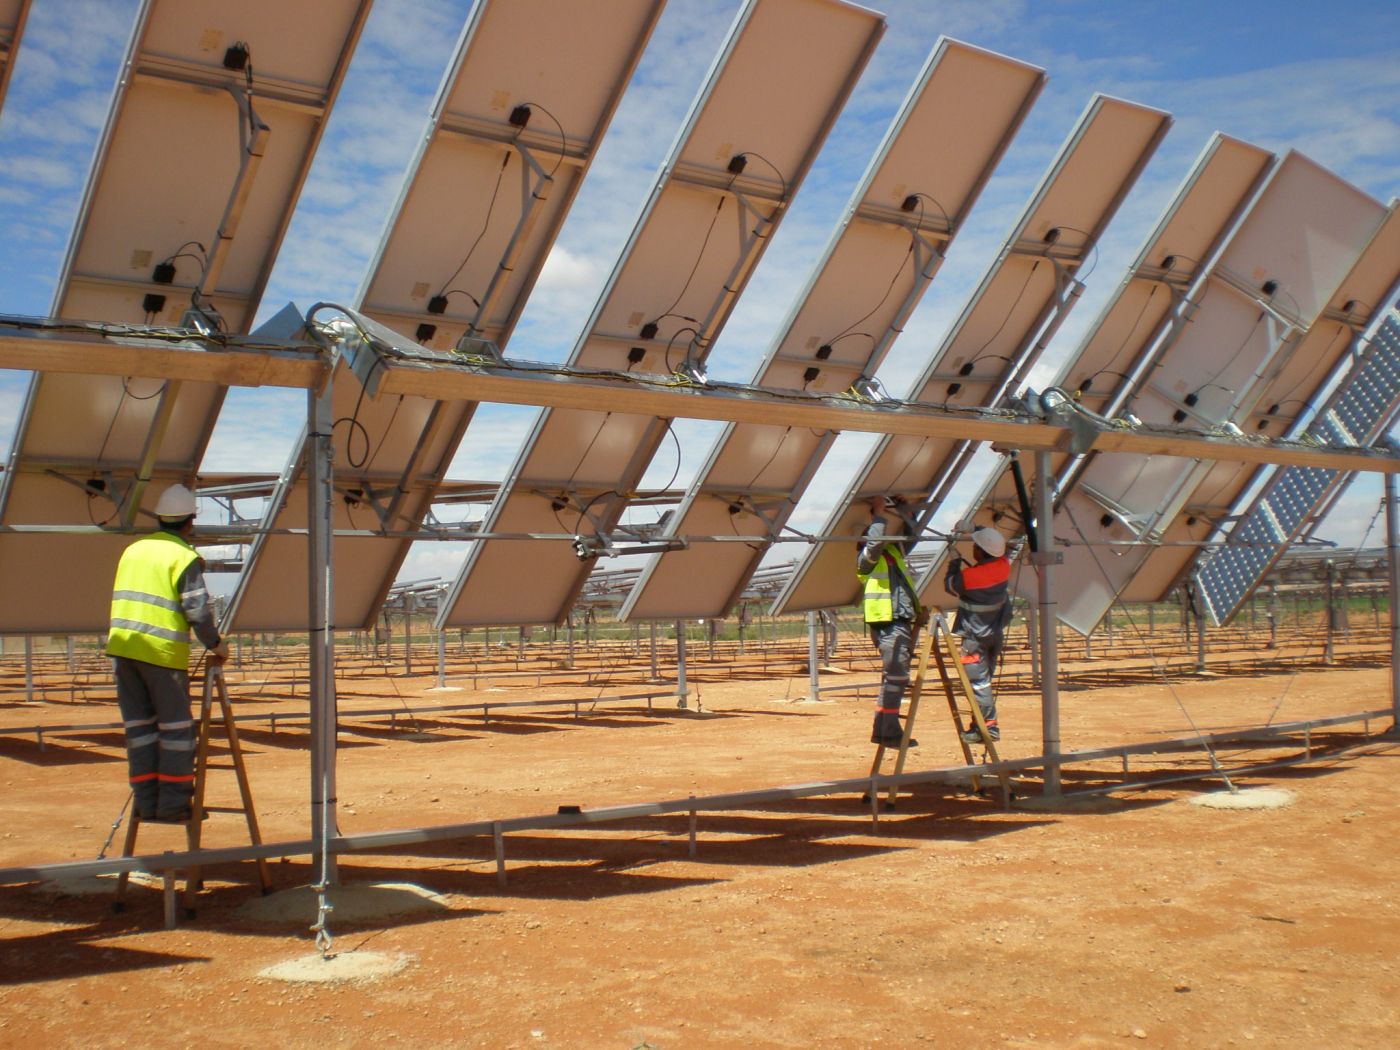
x,y
214,688
957,686
938,640
916,691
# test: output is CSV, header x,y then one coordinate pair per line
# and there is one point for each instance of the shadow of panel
x,y
64,955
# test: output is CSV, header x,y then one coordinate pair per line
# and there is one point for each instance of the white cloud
x,y
565,271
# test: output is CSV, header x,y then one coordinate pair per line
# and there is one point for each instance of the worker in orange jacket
x,y
984,610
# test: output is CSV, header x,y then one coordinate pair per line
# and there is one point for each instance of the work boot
x,y
892,741
178,816
972,736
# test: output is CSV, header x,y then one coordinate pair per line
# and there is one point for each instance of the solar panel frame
x,y
136,436
498,59
1302,234
769,115
1362,408
1150,299
1081,190
965,107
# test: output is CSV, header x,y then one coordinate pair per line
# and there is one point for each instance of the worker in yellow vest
x,y
158,596
891,608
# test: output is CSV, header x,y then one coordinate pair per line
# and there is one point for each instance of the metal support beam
x,y
1199,612
813,675
65,347
1049,653
1392,546
681,692
1329,655
320,460
1033,642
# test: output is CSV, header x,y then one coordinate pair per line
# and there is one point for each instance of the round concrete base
x,y
1247,798
352,966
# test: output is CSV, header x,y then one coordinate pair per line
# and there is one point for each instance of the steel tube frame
x,y
384,840
1049,636
1392,544
320,460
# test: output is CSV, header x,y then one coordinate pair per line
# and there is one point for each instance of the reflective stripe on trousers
x,y
156,698
895,641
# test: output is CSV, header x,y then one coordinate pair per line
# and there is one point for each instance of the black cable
x,y
1321,358
1229,359
1124,345
677,472
1089,242
672,342
1011,310
781,177
908,255
354,420
385,434
769,461
699,256
91,495
443,291
563,139
144,397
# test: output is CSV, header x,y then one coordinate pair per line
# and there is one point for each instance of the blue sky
x,y
1321,78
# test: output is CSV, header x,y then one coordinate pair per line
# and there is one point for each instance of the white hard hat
x,y
991,541
175,503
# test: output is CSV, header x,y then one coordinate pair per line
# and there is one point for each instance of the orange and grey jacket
x,y
983,609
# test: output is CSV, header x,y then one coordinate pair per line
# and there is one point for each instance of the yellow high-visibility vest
x,y
879,593
148,622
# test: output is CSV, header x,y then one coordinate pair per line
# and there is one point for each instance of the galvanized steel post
x,y
1044,558
321,619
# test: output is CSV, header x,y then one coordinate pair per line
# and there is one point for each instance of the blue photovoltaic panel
x,y
1359,411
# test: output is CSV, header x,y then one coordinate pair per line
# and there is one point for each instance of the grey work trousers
x,y
155,706
979,660
895,640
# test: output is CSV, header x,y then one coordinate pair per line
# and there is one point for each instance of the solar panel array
x,y
939,152
1151,300
1277,273
744,151
243,93
152,241
1363,408
1022,299
517,68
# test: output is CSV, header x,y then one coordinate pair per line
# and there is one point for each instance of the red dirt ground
x,y
1140,921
